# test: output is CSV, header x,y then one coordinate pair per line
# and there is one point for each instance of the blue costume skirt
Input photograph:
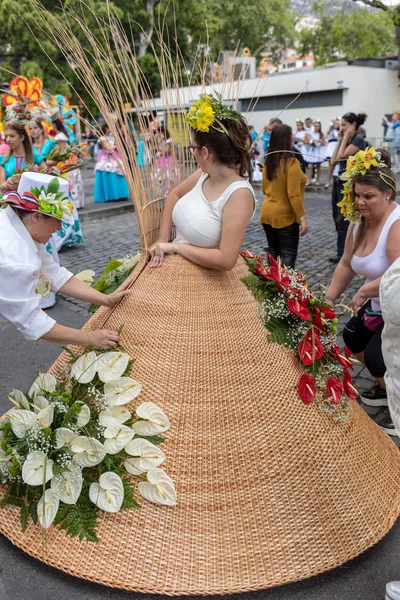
x,y
109,186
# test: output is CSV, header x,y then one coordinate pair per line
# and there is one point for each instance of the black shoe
x,y
334,259
375,396
387,425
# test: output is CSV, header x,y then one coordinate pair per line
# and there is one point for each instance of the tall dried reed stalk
x,y
111,75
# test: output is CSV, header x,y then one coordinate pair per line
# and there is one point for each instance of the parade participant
x,y
316,149
27,271
70,233
282,213
349,142
110,183
211,209
372,245
40,140
21,154
332,138
299,136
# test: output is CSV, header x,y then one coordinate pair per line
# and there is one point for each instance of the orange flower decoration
x,y
28,92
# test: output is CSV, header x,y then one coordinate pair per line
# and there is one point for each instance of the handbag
x,y
372,319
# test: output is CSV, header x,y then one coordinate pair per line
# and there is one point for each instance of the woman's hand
x,y
102,339
359,299
13,182
115,297
303,225
158,250
350,131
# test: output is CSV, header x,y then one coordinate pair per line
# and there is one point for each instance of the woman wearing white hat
x,y
28,272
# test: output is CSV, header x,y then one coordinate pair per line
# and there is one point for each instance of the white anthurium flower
x,y
108,494
87,276
47,508
113,415
112,365
67,485
19,399
84,415
88,452
145,456
117,437
45,382
45,416
64,437
21,420
39,402
84,369
159,488
37,468
121,390
155,421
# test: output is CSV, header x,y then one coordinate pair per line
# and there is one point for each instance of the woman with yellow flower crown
x,y
372,245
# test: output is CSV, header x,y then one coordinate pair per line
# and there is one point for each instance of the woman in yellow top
x,y
282,213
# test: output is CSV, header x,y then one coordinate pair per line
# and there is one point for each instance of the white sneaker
x,y
393,590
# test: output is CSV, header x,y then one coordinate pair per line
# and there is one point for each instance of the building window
x,y
306,100
291,65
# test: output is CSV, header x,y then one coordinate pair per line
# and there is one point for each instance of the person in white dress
x,y
28,272
316,151
212,208
299,138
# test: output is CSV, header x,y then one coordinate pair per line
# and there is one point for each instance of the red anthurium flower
x,y
349,389
298,308
307,388
310,348
281,277
342,360
317,319
264,272
272,261
328,313
348,352
334,390
247,254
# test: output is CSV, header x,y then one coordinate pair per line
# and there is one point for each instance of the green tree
x,y
358,33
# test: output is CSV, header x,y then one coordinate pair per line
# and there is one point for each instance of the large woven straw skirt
x,y
269,490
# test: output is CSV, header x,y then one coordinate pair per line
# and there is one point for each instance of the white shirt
x,y
199,222
21,262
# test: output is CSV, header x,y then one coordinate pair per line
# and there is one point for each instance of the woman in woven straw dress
x,y
212,208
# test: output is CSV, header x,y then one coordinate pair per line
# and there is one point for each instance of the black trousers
x,y
359,338
283,242
340,223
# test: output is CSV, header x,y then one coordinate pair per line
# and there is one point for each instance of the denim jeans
x,y
283,242
340,223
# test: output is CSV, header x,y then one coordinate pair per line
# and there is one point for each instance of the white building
x,y
369,86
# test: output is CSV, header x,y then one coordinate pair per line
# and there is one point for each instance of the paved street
x,y
22,577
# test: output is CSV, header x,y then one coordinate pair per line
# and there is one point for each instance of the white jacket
x,y
22,263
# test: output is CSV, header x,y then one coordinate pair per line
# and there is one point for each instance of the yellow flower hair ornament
x,y
208,111
359,164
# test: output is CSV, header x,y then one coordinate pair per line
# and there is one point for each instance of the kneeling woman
x,y
27,271
372,245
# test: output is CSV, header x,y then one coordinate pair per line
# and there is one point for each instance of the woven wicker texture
x,y
269,490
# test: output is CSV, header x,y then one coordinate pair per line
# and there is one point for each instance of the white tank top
x,y
199,222
376,263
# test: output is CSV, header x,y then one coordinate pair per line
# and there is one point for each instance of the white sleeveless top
x,y
199,222
376,263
